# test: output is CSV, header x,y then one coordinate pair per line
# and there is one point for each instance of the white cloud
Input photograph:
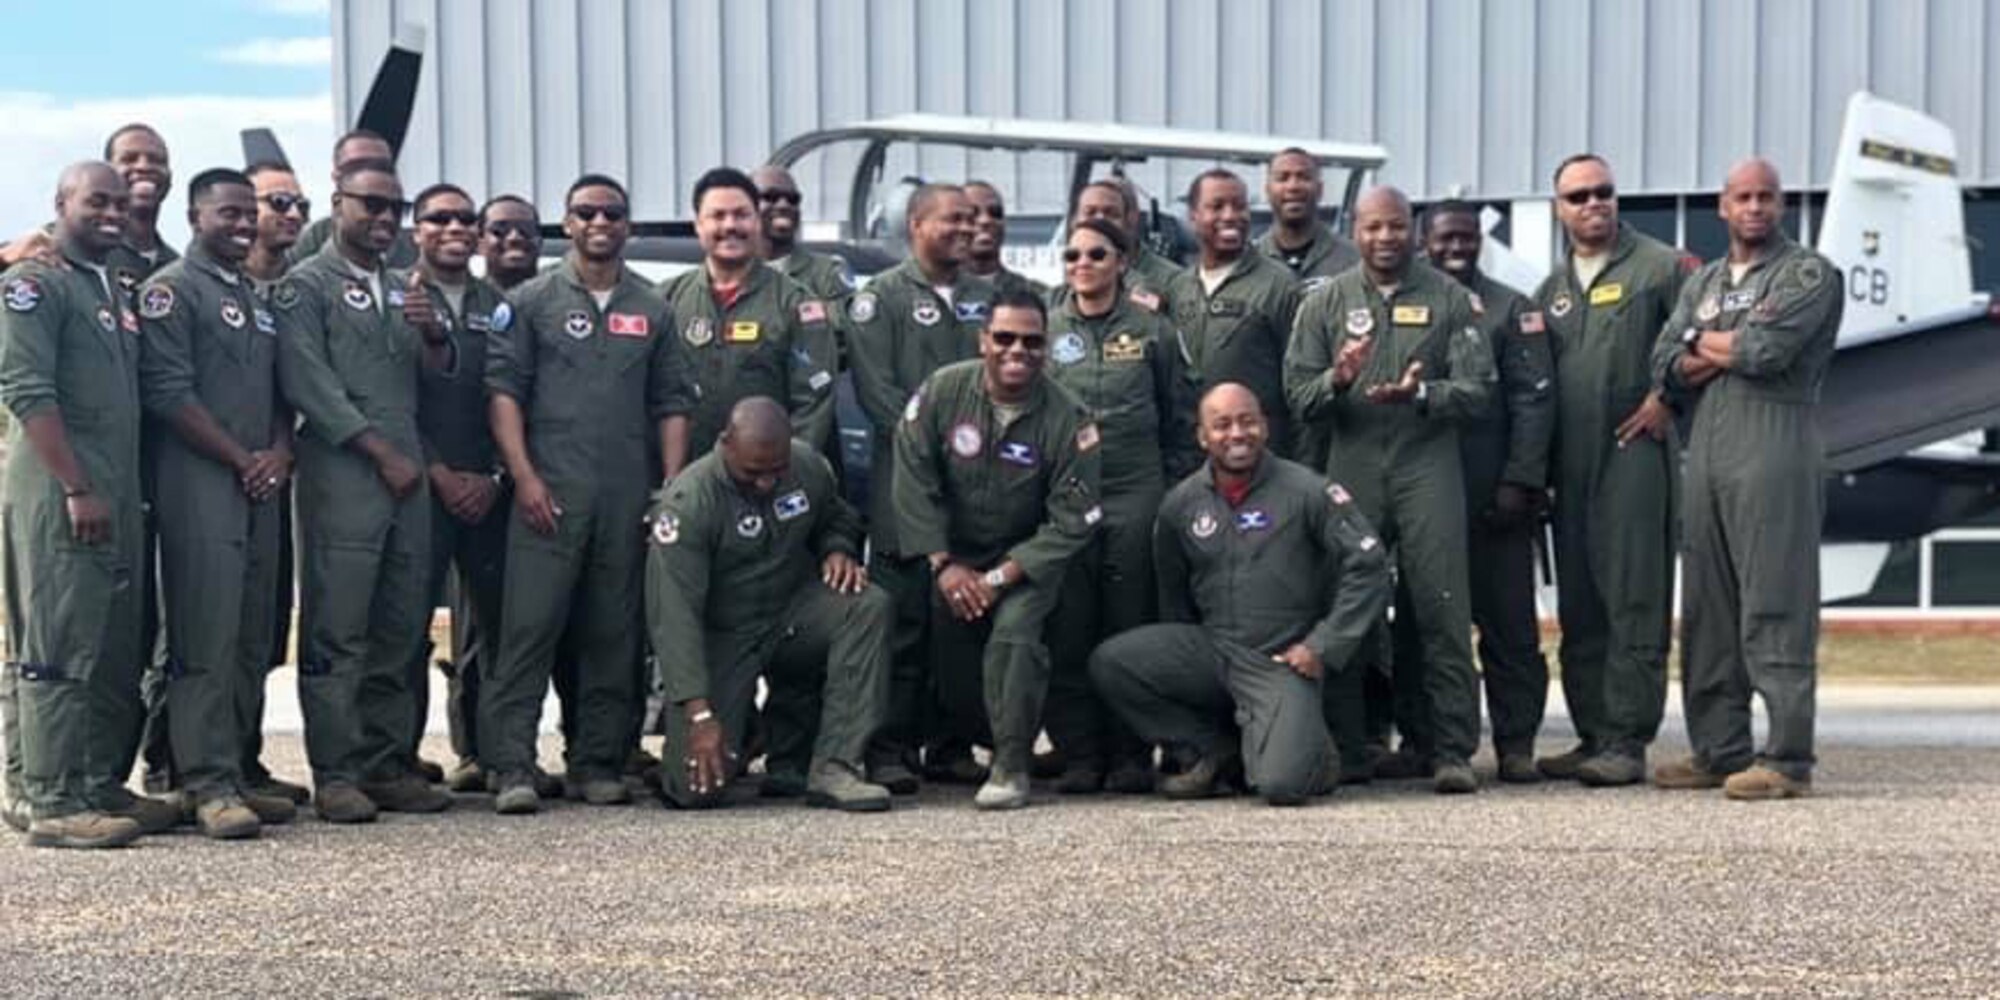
x,y
286,52
46,133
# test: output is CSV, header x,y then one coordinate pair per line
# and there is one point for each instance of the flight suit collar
x,y
199,258
911,271
1323,242
75,255
344,267
1266,468
759,275
1781,244
567,271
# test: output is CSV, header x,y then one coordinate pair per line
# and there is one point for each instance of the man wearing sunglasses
x,y
1604,305
748,330
826,277
208,376
468,491
349,363
997,483
1235,304
910,321
589,394
510,240
1753,334
283,212
360,144
989,238
1148,276
1388,358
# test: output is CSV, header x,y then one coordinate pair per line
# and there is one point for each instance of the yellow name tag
x,y
1124,347
743,332
1410,315
1607,295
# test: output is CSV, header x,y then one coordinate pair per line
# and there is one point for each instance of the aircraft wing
x,y
1890,397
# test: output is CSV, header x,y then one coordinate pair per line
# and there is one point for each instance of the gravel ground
x,y
1883,885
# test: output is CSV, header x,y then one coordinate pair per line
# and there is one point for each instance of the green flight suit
x,y
452,417
1327,254
1753,502
208,341
1149,280
774,339
1130,368
69,345
1402,460
1238,334
594,385
988,490
1293,562
900,331
742,573
824,276
1613,505
348,364
1006,280
1510,445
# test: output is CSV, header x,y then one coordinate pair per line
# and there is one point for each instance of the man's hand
x,y
1696,371
419,311
1401,391
1303,661
398,473
1717,347
265,474
1514,505
843,574
35,244
89,518
537,506
1353,357
968,596
1651,418
707,761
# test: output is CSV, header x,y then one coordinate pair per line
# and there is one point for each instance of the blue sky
x,y
198,70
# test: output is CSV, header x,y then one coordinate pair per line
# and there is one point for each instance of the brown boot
x,y
83,831
1686,774
1760,783
340,802
226,818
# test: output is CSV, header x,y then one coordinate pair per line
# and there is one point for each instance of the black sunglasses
x,y
1096,254
1583,196
507,227
780,197
283,203
1029,341
445,217
375,204
591,213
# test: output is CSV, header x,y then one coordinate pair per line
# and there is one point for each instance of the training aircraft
x,y
1909,403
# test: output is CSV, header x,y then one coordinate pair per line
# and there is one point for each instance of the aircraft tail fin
x,y
1895,222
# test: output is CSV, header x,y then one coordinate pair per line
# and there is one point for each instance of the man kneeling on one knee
x,y
1268,578
731,595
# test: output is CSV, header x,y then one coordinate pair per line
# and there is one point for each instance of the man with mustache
x,y
71,546
1604,306
1270,579
349,363
1297,238
1388,360
997,475
208,376
1235,304
747,329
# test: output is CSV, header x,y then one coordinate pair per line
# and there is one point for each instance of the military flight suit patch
x,y
105,319
1086,437
1124,348
129,321
503,317
812,311
357,297
1144,298
1740,299
666,529
1710,308
1203,525
1561,305
266,323
1227,307
750,525
791,505
1607,295
1411,315
911,408
1254,519
1314,284
744,332
232,314
969,312
1019,453
627,325
861,308
1068,349
926,313
1360,322
1338,494
577,324
285,295
698,332
156,301
1093,515
23,294
966,440
1478,304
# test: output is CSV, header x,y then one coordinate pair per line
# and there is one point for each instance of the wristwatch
x,y
995,578
1690,337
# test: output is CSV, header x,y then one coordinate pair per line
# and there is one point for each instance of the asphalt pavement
x,y
1884,884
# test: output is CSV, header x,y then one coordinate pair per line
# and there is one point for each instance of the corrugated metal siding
x,y
1478,95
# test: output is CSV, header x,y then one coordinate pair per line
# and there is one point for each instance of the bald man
x,y
70,530
1387,359
1270,579
1748,346
754,551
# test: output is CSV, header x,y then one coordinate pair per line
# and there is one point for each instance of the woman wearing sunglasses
x,y
1128,364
